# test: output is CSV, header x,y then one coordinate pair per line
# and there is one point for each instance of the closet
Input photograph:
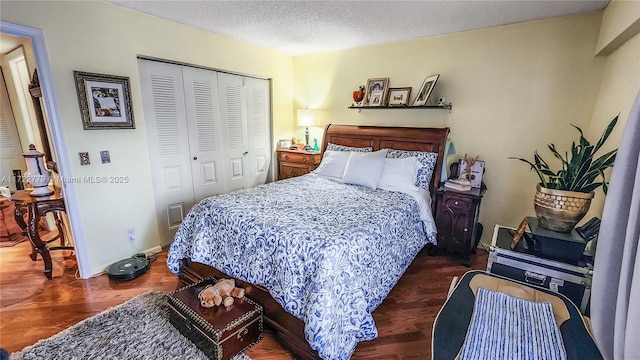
x,y
209,132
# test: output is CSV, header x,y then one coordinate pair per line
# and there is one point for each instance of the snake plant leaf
x,y
606,133
579,167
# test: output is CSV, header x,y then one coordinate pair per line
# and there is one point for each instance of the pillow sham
x,y
364,168
336,147
399,173
427,162
333,164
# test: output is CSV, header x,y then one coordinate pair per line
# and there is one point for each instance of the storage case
x,y
571,280
555,245
221,333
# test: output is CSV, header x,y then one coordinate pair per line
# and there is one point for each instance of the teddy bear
x,y
221,292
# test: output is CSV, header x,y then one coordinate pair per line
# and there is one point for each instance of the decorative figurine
x,y
358,96
37,175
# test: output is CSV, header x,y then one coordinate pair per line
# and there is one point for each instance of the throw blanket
x,y
328,252
506,327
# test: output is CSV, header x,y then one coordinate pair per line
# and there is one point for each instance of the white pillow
x,y
333,164
364,169
399,173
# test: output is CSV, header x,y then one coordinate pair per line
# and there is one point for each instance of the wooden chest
x,y
221,333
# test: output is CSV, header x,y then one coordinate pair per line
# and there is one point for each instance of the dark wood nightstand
x,y
292,163
456,218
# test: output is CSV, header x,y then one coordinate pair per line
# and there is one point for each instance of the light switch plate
x,y
84,158
104,156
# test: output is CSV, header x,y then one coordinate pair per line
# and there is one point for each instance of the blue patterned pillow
x,y
427,162
335,147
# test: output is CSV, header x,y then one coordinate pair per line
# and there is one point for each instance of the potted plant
x,y
563,197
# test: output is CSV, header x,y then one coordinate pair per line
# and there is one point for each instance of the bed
x,y
311,249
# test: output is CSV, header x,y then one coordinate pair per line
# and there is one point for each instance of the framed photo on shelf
x,y
399,96
376,98
425,90
376,84
474,174
284,144
105,101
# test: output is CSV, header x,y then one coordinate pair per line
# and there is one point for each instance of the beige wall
x,y
103,38
621,77
514,89
620,22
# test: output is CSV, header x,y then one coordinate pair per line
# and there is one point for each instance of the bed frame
x,y
288,328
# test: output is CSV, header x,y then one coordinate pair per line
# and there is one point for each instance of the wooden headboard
x,y
399,138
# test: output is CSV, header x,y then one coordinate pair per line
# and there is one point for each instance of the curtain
x,y
615,297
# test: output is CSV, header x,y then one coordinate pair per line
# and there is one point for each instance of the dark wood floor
x,y
34,308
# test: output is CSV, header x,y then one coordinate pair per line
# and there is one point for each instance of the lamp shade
x,y
307,117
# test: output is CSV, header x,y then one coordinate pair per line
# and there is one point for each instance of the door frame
x,y
57,136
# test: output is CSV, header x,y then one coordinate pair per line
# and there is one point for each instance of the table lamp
x,y
306,118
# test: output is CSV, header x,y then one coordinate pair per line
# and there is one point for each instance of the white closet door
x,y
166,121
234,129
205,136
10,149
259,130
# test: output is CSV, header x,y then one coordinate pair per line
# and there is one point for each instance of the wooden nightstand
x,y
457,220
292,163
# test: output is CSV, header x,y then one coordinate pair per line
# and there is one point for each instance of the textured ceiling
x,y
303,27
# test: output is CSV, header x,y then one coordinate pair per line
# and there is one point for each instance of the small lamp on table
x,y
306,118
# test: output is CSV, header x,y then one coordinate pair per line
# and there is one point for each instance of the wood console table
x,y
37,207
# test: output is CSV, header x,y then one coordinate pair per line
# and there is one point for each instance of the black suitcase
x,y
570,279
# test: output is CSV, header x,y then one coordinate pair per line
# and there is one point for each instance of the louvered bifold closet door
x,y
10,149
234,130
259,130
205,134
169,154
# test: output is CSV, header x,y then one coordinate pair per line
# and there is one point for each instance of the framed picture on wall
x,y
105,101
425,90
375,84
399,96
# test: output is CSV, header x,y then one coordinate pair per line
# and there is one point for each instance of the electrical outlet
x,y
131,234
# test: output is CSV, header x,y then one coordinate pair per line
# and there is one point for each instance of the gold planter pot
x,y
560,210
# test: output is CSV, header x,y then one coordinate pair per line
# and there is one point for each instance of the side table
x,y
36,207
456,218
292,163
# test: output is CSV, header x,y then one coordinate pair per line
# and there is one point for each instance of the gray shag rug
x,y
136,329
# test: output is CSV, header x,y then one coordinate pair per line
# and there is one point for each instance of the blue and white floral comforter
x,y
328,252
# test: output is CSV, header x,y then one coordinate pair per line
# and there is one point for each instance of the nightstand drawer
x,y
290,170
457,203
295,157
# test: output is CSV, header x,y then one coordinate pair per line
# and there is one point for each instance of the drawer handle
x,y
286,157
242,333
304,159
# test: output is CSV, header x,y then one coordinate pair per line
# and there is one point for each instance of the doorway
x,y
53,130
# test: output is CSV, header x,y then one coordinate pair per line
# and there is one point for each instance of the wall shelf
x,y
448,106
